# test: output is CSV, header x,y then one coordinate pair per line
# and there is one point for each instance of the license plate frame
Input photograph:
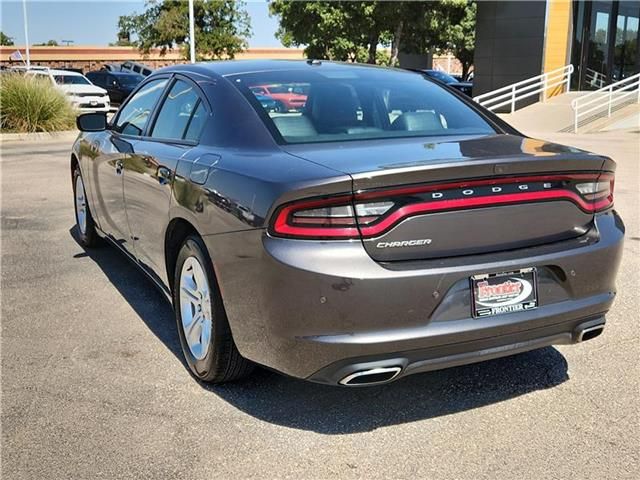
x,y
500,293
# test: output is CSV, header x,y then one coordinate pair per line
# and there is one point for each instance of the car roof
x,y
62,72
114,73
238,67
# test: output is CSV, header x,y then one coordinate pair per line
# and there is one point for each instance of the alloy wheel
x,y
195,307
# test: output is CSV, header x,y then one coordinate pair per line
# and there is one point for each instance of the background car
x,y
117,84
136,67
464,87
84,95
290,98
269,104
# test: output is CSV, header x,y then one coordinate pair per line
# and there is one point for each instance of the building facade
x,y
87,58
518,40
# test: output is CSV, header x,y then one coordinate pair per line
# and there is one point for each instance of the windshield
x,y
443,77
71,80
129,79
357,103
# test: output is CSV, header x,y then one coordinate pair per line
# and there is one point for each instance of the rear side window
x,y
338,103
133,117
196,124
182,112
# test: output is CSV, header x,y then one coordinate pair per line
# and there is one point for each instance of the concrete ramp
x,y
556,115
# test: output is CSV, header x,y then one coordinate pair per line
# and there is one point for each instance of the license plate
x,y
507,292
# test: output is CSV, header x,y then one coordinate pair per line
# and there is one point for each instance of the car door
x,y
150,171
114,153
114,89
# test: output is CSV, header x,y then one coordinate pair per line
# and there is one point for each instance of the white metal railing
x,y
515,92
594,78
605,97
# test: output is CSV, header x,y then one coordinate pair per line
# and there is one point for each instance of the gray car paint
x,y
307,307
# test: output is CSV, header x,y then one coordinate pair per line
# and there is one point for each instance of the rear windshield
x,y
356,103
443,77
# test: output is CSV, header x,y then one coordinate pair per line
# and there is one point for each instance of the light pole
x,y
26,31
192,36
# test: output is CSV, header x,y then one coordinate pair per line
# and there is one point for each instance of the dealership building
x,y
519,40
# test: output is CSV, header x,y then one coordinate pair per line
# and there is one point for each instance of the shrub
x,y
29,104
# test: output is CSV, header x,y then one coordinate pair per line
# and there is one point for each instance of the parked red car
x,y
291,97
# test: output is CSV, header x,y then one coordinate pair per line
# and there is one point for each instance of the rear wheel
x,y
84,219
205,336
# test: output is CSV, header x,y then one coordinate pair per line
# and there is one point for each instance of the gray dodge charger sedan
x,y
384,226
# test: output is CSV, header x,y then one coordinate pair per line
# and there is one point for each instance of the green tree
x,y
457,32
221,27
50,43
5,40
353,30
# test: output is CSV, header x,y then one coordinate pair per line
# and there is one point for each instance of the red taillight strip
x,y
462,203
282,226
396,192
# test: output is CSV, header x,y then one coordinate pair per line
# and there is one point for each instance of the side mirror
x,y
92,122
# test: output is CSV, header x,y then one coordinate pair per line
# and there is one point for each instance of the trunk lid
x,y
495,193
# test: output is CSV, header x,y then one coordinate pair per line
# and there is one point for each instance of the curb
x,y
26,137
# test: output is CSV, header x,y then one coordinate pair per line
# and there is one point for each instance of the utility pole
x,y
192,35
26,31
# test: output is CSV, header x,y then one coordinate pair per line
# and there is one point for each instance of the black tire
x,y
279,108
222,362
89,238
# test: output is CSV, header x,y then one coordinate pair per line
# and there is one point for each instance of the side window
x,y
178,113
196,124
133,117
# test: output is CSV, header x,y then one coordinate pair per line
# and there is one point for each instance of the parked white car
x,y
84,95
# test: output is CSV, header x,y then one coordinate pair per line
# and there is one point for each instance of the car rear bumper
x,y
325,310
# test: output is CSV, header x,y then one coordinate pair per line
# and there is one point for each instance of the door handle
x,y
164,175
119,167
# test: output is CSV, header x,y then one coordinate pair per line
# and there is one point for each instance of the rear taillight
x,y
372,213
599,193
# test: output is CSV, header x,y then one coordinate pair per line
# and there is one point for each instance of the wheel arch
x,y
178,229
73,163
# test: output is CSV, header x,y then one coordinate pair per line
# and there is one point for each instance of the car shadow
x,y
330,410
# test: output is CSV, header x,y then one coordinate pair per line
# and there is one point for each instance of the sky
x,y
94,22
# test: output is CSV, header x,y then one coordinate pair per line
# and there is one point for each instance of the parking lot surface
x,y
93,385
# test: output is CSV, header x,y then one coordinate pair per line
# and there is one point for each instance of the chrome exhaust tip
x,y
590,332
371,377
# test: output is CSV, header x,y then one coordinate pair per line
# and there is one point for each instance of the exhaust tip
x,y
371,376
590,332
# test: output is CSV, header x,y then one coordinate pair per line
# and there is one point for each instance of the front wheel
x,y
84,219
204,331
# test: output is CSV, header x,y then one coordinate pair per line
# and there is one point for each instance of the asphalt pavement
x,y
93,384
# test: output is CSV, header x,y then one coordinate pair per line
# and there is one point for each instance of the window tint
x,y
357,103
196,124
133,117
176,111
